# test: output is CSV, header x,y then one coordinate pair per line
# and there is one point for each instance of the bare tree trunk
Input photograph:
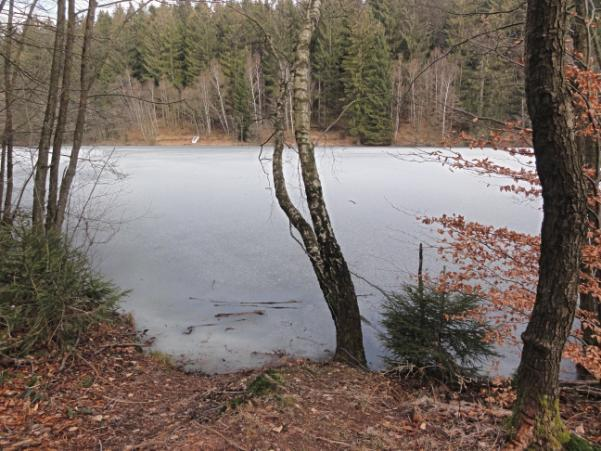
x,y
154,122
221,103
291,112
537,419
41,172
482,85
8,195
85,83
294,215
252,89
319,121
205,102
62,118
259,88
413,109
12,60
444,106
149,110
134,106
2,171
6,164
319,240
589,149
398,98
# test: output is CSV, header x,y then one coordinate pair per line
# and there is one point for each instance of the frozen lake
x,y
200,235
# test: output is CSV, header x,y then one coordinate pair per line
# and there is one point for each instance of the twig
x,y
228,441
344,110
585,383
121,345
333,442
29,442
88,363
145,444
588,391
126,401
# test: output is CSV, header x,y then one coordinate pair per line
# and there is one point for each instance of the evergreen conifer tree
x,y
326,61
187,66
239,91
432,329
137,50
367,81
390,14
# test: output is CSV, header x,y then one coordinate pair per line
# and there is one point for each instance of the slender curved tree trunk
x,y
6,165
12,60
61,122
319,240
589,148
559,166
2,170
41,169
85,83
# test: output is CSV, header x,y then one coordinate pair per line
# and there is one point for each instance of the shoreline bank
x,y
107,393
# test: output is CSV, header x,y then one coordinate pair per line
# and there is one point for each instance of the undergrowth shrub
x,y
49,294
435,332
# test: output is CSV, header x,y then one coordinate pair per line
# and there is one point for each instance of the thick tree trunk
x,y
41,170
85,83
320,243
559,166
62,119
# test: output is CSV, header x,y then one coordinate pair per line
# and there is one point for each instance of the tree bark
x,y
559,166
12,59
6,166
41,170
62,119
319,240
295,217
589,148
85,84
2,171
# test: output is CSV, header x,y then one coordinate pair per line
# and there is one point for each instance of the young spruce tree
x,y
432,329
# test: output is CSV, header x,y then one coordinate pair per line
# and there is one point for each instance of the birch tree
x,y
317,234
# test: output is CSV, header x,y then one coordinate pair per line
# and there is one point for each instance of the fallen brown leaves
x,y
109,395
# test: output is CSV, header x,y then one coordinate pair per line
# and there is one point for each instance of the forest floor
x,y
108,394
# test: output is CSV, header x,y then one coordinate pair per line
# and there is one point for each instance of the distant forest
x,y
383,71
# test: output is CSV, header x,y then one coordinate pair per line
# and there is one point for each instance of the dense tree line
x,y
382,71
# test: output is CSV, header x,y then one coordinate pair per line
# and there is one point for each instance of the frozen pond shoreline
x,y
218,280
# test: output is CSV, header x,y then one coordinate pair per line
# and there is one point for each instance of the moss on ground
x,y
264,383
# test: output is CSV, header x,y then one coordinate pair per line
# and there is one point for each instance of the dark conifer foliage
x,y
432,329
179,59
366,73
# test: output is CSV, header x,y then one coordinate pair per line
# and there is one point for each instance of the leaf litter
x,y
109,394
